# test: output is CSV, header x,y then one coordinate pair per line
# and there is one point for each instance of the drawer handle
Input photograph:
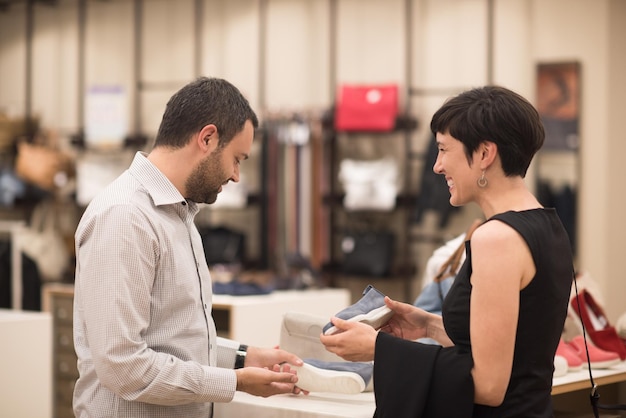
x,y
62,313
65,341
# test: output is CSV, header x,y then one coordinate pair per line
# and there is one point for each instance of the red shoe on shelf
x,y
597,325
574,361
598,358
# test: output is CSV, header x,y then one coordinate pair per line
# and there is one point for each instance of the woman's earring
x,y
482,181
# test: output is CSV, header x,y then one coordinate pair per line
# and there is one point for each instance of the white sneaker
x,y
560,366
334,377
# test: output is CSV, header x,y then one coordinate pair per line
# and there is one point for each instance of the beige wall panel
x,y
370,41
455,49
152,107
109,47
512,63
231,44
55,86
167,51
297,63
449,55
13,61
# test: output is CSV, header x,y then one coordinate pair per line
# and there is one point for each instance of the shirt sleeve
x,y
117,258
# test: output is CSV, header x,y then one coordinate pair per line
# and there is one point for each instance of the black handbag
x,y
367,253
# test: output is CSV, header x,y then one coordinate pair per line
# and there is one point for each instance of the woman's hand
x,y
411,323
353,342
408,322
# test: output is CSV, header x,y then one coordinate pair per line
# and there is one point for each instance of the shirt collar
x,y
158,186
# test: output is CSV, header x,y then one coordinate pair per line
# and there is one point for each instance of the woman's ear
x,y
487,152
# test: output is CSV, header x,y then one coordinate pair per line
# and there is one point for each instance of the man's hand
x,y
276,362
264,382
268,357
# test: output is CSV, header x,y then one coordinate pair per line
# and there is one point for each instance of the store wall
x,y
279,53
593,35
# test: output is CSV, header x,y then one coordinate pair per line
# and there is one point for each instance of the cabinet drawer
x,y
63,339
63,309
64,391
66,367
63,411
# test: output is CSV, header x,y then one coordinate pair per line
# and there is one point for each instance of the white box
x,y
25,364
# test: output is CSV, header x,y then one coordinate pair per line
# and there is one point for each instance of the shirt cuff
x,y
226,352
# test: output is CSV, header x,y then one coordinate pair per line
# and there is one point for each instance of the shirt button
x,y
210,346
205,307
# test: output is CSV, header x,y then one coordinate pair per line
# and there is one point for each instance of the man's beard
x,y
204,182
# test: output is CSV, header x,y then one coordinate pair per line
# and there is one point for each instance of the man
x,y
143,331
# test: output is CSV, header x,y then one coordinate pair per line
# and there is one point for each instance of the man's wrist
x,y
240,356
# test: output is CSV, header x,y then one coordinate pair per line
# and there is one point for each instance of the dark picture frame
x,y
558,104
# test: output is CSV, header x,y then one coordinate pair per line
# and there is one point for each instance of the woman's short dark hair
x,y
495,114
202,102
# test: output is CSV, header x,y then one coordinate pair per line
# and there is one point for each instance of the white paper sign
x,y
106,116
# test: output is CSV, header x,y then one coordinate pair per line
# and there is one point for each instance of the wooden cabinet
x,y
58,299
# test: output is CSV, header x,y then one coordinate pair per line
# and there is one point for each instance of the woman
x,y
504,314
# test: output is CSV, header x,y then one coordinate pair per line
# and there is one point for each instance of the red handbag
x,y
366,107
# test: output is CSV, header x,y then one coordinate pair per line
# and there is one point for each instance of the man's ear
x,y
208,138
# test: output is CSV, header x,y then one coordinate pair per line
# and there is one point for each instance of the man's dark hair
x,y
202,102
495,114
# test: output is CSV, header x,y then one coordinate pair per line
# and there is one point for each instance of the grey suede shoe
x,y
370,309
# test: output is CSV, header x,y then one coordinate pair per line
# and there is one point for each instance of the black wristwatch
x,y
240,357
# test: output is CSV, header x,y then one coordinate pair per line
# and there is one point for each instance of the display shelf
x,y
574,381
340,218
256,320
